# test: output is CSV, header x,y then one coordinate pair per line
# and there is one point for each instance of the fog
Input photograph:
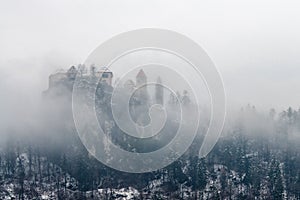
x,y
254,44
101,144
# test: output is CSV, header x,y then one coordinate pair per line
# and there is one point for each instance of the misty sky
x,y
255,44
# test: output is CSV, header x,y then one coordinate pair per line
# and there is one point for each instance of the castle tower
x,y
142,92
159,92
141,78
71,73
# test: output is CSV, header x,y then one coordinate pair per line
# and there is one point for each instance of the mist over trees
x,y
257,155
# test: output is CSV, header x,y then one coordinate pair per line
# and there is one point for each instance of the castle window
x,y
105,75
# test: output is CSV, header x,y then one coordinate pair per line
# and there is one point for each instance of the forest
x,y
257,157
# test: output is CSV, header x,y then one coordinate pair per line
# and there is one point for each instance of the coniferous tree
x,y
21,176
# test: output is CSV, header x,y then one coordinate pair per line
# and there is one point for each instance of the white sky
x,y
255,44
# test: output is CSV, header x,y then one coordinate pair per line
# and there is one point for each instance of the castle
x,y
66,79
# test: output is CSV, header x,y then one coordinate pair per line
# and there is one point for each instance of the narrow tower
x,y
141,78
141,84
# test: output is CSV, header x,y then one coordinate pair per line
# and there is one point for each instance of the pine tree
x,y
21,177
276,180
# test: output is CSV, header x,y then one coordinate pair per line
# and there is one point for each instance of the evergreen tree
x,y
21,177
